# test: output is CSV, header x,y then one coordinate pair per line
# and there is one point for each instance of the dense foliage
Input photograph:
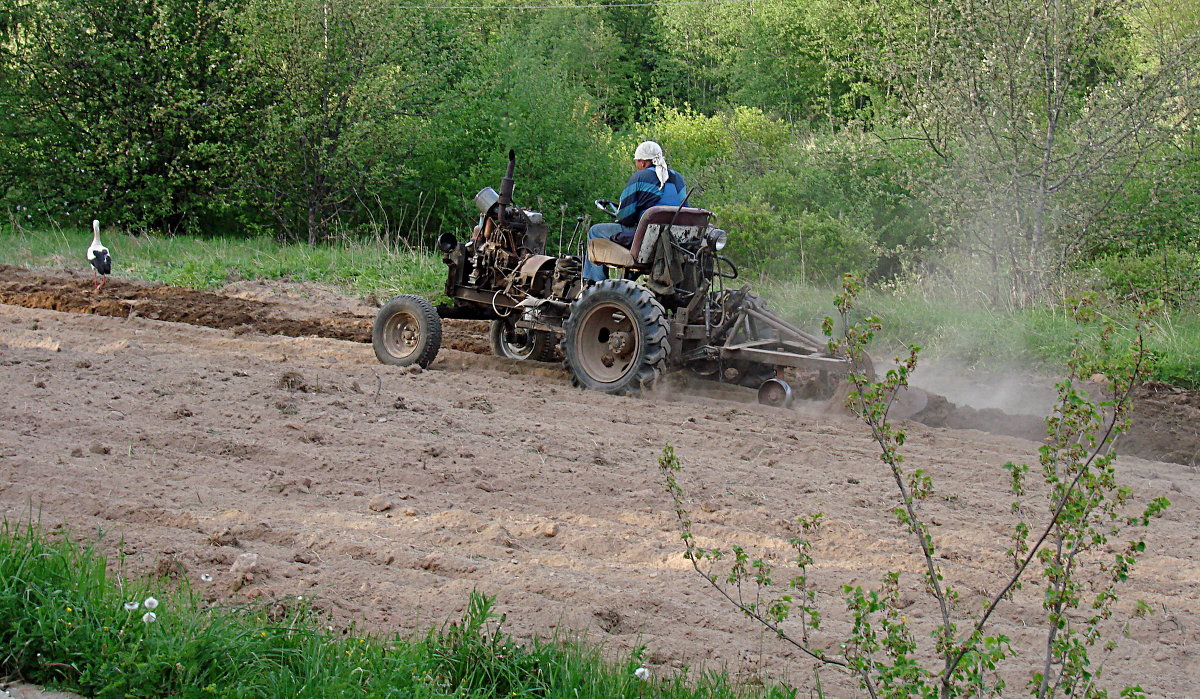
x,y
1015,150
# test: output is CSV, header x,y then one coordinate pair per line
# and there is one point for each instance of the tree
x,y
1040,114
118,110
341,92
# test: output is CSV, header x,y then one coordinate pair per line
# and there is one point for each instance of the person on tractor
x,y
652,184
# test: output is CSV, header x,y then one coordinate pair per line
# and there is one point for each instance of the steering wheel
x,y
607,207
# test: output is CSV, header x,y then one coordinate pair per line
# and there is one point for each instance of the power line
x,y
649,3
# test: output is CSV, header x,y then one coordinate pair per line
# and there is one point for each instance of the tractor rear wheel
x,y
520,343
615,339
407,331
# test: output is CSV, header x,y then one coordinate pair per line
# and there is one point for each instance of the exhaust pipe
x,y
506,185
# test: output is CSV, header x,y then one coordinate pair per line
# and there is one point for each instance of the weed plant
x,y
69,622
1084,538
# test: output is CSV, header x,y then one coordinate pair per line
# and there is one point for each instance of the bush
x,y
119,110
1169,274
808,247
694,141
800,205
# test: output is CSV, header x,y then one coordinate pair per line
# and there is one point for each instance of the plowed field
x,y
252,436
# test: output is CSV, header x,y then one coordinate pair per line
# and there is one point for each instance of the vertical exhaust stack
x,y
506,186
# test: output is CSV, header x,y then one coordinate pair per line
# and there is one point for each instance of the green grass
x,y
976,336
362,268
63,623
972,335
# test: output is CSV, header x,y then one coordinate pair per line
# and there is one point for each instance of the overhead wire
x,y
646,3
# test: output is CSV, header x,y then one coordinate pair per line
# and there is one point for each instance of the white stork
x,y
98,255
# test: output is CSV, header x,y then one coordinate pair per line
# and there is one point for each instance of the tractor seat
x,y
606,252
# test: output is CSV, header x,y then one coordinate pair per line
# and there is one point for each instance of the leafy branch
x,y
1085,509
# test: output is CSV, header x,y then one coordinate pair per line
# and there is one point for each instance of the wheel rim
x,y
517,342
775,393
401,335
607,343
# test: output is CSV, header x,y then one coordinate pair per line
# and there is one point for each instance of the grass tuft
x,y
64,623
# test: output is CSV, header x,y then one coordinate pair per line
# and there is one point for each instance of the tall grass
x,y
363,267
976,336
64,622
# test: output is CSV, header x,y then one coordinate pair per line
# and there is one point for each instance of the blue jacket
x,y
643,192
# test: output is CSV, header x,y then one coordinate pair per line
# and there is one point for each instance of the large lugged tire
x,y
407,331
615,339
520,343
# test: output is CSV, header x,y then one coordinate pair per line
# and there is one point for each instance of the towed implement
x,y
669,309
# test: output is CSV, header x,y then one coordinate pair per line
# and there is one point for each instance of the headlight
x,y
717,238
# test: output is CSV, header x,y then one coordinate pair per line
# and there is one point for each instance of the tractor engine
x,y
505,258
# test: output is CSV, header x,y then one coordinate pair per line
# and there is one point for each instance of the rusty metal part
x,y
400,335
530,268
755,334
607,338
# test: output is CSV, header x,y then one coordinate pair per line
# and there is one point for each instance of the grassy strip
x,y
949,329
66,622
979,337
363,268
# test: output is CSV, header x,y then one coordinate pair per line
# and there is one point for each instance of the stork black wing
x,y
102,262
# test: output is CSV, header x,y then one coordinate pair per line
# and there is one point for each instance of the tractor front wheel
x,y
407,331
615,339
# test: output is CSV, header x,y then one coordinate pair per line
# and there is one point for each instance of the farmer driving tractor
x,y
652,184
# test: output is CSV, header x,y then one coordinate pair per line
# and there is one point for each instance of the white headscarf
x,y
649,150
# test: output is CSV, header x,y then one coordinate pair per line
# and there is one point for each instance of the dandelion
x,y
149,617
205,578
130,606
642,674
150,603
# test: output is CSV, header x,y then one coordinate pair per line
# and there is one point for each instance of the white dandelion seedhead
x,y
150,603
205,577
149,617
130,606
642,674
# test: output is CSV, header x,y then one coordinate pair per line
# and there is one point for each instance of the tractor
x,y
670,308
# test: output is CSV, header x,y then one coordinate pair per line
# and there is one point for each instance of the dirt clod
x,y
293,381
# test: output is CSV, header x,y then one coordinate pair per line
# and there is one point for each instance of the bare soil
x,y
251,436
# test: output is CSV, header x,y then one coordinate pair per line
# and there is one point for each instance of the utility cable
x,y
651,3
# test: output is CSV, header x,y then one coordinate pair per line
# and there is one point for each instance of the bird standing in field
x,y
98,255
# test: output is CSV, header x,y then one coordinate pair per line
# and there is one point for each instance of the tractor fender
x,y
530,268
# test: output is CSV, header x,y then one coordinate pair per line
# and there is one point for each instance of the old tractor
x,y
670,309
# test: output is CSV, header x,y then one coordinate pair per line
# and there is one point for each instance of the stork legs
x,y
100,280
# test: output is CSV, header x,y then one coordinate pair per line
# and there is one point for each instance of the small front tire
x,y
407,331
512,342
